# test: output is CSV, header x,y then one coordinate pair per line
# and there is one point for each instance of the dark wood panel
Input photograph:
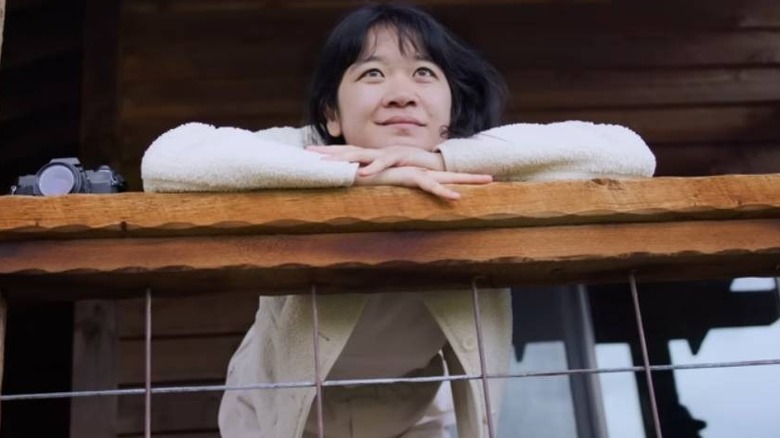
x,y
228,313
170,413
176,359
677,124
605,50
532,15
716,159
570,51
569,89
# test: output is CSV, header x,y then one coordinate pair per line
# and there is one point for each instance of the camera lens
x,y
56,180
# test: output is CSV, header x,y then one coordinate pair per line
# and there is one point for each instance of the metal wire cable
x,y
388,381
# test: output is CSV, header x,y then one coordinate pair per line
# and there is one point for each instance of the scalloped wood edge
x,y
379,261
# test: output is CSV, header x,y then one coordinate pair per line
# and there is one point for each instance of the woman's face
x,y
389,98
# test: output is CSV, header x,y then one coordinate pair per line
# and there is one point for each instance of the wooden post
x,y
94,368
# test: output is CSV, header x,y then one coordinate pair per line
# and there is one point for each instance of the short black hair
x,y
478,90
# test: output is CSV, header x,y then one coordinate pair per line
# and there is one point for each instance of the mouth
x,y
401,120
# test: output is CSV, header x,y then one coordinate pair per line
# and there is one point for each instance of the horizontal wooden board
x,y
257,59
728,123
717,159
530,90
526,14
177,359
380,261
390,208
170,413
226,313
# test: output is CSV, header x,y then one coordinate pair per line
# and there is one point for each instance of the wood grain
x,y
389,208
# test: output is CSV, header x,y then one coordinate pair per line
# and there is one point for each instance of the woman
x,y
396,100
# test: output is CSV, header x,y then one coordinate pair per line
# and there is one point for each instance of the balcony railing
x,y
383,239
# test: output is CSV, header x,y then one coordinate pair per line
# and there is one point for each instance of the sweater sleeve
x,y
541,152
196,157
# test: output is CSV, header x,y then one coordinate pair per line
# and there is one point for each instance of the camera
x,y
65,175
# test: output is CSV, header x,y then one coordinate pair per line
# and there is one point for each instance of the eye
x,y
371,73
425,72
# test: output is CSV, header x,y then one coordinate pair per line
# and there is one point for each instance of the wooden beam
x,y
383,261
353,240
360,209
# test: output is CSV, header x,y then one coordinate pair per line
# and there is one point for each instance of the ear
x,y
333,124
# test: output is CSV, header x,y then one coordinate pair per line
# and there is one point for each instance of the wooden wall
x,y
700,81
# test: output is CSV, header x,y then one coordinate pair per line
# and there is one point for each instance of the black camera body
x,y
65,175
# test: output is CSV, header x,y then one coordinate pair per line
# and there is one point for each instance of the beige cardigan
x,y
279,345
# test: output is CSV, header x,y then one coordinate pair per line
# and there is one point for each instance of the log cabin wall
x,y
699,81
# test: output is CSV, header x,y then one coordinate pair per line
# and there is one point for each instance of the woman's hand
x,y
374,161
428,180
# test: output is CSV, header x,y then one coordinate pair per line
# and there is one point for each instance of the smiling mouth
x,y
401,121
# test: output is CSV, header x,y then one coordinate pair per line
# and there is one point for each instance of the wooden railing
x,y
383,238
91,246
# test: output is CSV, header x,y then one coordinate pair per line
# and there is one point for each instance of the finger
x,y
430,185
376,166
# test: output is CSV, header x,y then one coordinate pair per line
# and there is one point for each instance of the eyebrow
x,y
372,58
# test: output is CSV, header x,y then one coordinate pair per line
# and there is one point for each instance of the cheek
x,y
445,106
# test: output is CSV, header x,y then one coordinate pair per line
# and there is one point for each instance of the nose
x,y
400,92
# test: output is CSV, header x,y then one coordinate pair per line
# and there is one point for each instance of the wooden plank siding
x,y
699,80
705,75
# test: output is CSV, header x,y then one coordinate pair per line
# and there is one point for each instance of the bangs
x,y
410,39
